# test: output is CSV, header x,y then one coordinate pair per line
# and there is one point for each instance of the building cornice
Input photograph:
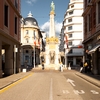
x,y
89,5
9,36
14,8
91,37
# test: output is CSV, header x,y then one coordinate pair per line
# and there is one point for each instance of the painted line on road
x,y
51,92
71,82
14,83
79,92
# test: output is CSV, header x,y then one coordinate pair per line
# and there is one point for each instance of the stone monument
x,y
52,50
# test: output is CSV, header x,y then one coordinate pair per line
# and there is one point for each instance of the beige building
x,y
31,39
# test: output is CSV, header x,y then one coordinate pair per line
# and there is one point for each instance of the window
x,y
70,20
69,35
27,51
27,59
34,34
70,28
72,6
34,23
27,40
71,12
27,32
85,25
88,1
94,15
99,12
90,22
15,25
70,43
16,3
6,15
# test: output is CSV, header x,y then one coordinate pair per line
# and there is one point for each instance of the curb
x,y
89,79
13,81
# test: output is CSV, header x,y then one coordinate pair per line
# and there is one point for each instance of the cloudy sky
x,y
41,9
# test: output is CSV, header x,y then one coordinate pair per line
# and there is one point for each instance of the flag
x,y
66,40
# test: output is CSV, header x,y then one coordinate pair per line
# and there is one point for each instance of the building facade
x,y
73,32
9,37
31,39
91,41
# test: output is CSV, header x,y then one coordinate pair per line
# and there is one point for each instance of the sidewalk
x,y
12,78
94,79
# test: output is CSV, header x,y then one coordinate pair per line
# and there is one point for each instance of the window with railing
x,y
70,43
71,12
69,35
70,28
70,20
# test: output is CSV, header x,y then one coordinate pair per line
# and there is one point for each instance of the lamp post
x,y
65,55
15,50
34,56
34,47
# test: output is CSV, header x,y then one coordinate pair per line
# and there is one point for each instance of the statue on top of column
x,y
52,6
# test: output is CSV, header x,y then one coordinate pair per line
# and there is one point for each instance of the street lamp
x,y
34,46
15,50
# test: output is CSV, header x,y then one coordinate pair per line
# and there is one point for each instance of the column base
x,y
8,72
95,72
1,74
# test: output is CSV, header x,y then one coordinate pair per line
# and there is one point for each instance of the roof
x,y
29,20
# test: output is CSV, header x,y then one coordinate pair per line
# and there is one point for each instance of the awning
x,y
94,49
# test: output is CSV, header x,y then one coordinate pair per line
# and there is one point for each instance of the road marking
x,y
66,92
78,92
94,92
71,82
13,84
51,92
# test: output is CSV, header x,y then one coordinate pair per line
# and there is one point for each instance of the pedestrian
x,y
81,66
61,67
42,65
86,66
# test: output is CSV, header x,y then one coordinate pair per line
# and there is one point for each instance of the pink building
x,y
91,41
9,37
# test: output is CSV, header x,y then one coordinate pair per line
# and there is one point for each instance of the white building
x,y
31,40
73,30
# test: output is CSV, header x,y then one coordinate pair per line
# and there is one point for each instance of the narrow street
x,y
51,85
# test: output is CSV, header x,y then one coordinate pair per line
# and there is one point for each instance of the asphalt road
x,y
51,86
83,88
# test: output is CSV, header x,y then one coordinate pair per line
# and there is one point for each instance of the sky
x,y
41,10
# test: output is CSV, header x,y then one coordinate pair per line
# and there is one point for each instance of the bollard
x,y
69,68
